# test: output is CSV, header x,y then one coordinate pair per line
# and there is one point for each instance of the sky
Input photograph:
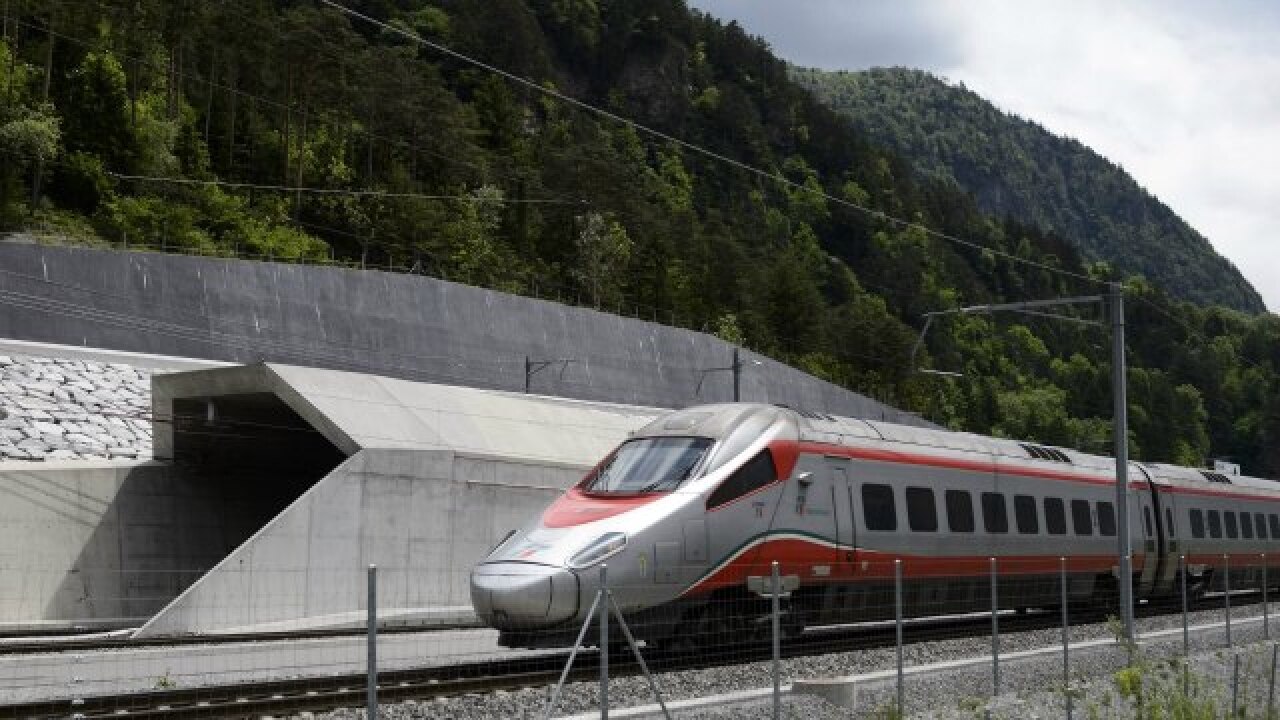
x,y
1183,94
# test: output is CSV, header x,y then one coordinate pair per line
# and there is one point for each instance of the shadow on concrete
x,y
163,525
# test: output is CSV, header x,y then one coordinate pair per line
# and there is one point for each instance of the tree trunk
x,y
134,80
208,101
302,148
48,63
285,140
170,105
231,125
48,77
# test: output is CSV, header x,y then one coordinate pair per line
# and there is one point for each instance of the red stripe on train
x,y
798,556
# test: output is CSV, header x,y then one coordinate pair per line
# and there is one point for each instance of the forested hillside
x,y
286,129
1016,167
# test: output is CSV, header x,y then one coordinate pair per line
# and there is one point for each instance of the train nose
x,y
523,596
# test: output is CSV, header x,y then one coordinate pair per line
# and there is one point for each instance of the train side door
x,y
1153,543
842,490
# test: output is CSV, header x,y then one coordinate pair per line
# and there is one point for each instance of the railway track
x,y
121,639
282,697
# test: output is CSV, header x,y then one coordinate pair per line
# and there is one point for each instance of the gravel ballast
x,y
1031,687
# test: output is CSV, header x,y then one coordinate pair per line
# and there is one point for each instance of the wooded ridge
x,y
288,129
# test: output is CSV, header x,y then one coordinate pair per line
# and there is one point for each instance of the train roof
x,y
822,427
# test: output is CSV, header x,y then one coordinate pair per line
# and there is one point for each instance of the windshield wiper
x,y
674,480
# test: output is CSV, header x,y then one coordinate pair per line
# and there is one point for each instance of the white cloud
x,y
1185,96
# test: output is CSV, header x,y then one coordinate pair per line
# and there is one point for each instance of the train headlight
x,y
602,547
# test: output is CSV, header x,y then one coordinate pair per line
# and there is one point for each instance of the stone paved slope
x,y
63,409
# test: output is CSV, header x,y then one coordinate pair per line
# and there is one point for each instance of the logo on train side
x,y
759,506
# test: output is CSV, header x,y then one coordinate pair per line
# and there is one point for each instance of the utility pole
x,y
737,375
1120,429
735,367
533,367
1120,421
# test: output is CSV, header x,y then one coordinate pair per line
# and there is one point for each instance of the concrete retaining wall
x,y
424,517
109,543
403,326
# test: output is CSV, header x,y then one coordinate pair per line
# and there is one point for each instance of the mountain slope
x,y
1015,167
286,129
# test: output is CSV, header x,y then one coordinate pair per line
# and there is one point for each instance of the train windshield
x,y
647,465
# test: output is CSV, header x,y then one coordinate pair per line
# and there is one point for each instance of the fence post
x,y
995,632
371,671
897,613
1235,685
1226,594
1266,608
1066,652
1271,684
604,641
1186,636
775,611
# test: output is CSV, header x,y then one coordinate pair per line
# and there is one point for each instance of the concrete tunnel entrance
x,y
251,456
334,471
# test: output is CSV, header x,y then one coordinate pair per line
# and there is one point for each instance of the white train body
x,y
701,500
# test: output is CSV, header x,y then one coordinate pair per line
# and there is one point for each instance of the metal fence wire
x,y
763,637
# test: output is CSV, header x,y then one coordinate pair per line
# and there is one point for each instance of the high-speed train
x,y
689,509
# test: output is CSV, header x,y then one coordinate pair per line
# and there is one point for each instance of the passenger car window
x,y
1215,524
1246,526
1169,526
922,513
995,519
878,510
1024,514
1229,519
1106,519
1055,516
1146,512
1081,520
1261,521
959,511
1274,523
1197,523
753,475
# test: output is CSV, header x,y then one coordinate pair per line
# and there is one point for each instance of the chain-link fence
x,y
929,637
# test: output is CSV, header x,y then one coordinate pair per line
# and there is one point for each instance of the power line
x,y
333,191
587,107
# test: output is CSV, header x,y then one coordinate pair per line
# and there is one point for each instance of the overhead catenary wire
x,y
698,149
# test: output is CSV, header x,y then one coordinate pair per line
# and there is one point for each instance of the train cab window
x,y
959,511
1024,514
878,510
1168,522
995,518
1273,521
647,465
753,475
922,513
1246,526
1261,521
1215,524
1106,519
1229,519
1197,523
1055,516
1081,518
